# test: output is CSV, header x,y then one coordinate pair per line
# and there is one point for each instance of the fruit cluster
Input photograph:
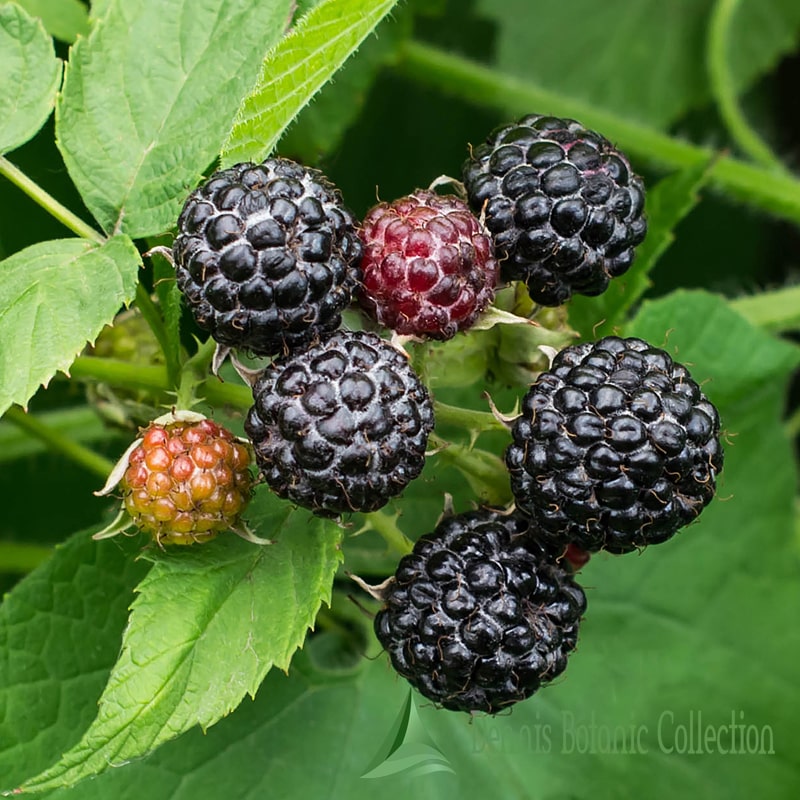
x,y
616,446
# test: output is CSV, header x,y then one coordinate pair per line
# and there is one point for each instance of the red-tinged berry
x,y
428,266
184,481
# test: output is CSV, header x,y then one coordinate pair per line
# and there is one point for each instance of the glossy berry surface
x,y
563,206
342,426
479,615
187,481
616,448
428,265
267,256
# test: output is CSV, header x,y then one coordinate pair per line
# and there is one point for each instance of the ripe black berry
x,y
342,426
429,268
267,256
562,204
479,615
616,447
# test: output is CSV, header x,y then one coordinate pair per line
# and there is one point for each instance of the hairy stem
x,y
476,421
766,189
121,373
59,443
154,379
386,526
154,319
48,202
724,91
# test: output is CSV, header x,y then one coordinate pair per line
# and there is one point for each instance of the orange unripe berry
x,y
186,481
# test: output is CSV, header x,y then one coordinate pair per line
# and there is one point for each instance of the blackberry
x,y
267,256
562,204
616,447
479,615
184,481
428,265
342,426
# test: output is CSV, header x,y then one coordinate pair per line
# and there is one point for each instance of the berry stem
x,y
154,319
48,202
120,373
724,90
154,379
195,371
473,421
59,443
18,557
485,472
386,526
218,393
750,183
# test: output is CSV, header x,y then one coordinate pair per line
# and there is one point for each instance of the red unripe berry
x,y
428,265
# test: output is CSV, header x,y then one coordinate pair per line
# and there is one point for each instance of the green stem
x,y
22,558
121,373
773,192
218,393
154,319
386,526
195,372
477,421
154,379
776,311
59,443
48,202
485,472
80,423
724,91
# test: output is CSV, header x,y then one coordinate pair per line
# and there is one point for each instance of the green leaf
x,y
665,87
207,626
306,735
668,202
297,67
31,76
320,126
719,345
54,298
64,19
60,630
148,98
